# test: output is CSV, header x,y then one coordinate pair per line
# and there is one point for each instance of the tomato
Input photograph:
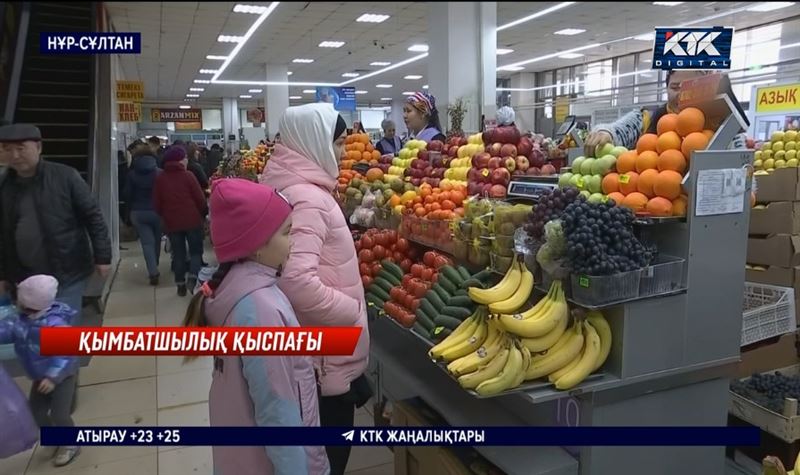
x,y
376,268
405,264
429,258
435,277
419,288
441,261
392,235
398,256
363,268
408,302
415,305
402,245
427,274
406,279
366,281
358,245
401,296
382,239
379,251
405,318
416,270
390,308
393,293
365,255
367,242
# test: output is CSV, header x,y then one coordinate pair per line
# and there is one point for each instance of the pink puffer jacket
x,y
321,276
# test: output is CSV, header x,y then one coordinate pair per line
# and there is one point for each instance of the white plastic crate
x,y
768,311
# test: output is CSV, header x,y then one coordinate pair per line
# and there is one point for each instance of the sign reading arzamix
x,y
175,115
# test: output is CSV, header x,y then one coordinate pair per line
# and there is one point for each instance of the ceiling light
x,y
255,91
570,56
294,98
386,98
190,100
536,15
569,31
372,18
502,51
289,73
425,87
350,75
667,4
309,91
380,63
216,57
413,77
202,81
791,45
645,37
255,9
408,93
184,107
230,39
512,68
769,6
383,86
250,31
418,48
331,44
197,89
302,60
245,96
208,71
647,60
361,92
387,68
192,95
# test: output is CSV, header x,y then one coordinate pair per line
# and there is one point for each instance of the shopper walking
x,y
179,201
54,377
422,117
194,166
390,143
321,275
139,189
213,159
250,227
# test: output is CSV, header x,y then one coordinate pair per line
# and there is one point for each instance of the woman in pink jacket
x,y
321,276
250,226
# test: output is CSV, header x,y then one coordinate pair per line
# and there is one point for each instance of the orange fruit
x,y
366,156
659,206
647,142
646,160
617,197
668,141
457,197
709,133
646,181
376,154
436,206
359,147
374,174
690,120
667,123
368,147
628,183
626,162
635,201
692,142
672,160
420,211
679,205
611,183
447,187
668,184
448,205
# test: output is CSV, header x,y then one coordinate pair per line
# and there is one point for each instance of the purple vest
x,y
427,134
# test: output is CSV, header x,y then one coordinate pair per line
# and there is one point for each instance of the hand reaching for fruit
x,y
595,139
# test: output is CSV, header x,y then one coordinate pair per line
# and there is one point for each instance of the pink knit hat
x,y
244,216
37,292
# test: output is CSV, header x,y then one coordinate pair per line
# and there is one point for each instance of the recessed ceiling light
x,y
372,18
245,96
190,100
513,68
360,91
380,63
302,60
570,55
216,57
331,44
408,93
645,37
502,51
386,98
184,107
538,14
294,98
230,39
383,86
289,73
425,87
254,9
569,31
350,75
202,81
197,89
667,4
255,91
769,6
192,95
413,77
309,91
418,48
240,41
208,71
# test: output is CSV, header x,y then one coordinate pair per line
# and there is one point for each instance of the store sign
x,y
130,91
342,98
176,115
692,48
561,109
783,98
129,112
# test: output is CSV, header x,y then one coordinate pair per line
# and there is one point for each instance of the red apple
x,y
548,170
484,175
495,162
501,176
428,171
510,164
462,141
534,171
474,188
497,191
507,134
523,163
423,155
436,146
487,187
473,175
481,160
525,146
517,172
488,136
537,159
453,151
416,181
494,149
437,160
508,150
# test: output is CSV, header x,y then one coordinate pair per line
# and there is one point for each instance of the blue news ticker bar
x,y
68,42
466,436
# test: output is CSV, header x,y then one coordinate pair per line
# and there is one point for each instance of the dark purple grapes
x,y
550,206
769,390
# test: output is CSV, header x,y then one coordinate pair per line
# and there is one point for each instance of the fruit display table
x,y
669,363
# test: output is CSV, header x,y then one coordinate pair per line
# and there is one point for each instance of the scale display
x,y
531,188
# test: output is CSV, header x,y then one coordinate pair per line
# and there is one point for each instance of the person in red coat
x,y
179,201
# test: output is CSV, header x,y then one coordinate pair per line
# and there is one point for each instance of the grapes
x,y
550,206
769,390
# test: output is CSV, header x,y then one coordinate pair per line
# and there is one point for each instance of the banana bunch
x,y
465,339
492,346
510,293
578,352
542,325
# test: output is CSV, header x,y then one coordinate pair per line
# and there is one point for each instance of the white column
x,y
276,97
231,123
396,116
522,102
461,63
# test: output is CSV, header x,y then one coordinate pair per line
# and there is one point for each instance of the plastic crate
x,y
663,277
591,290
768,311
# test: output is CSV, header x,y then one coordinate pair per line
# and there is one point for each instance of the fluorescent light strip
x,y
208,71
216,57
388,68
769,6
383,86
184,107
202,81
413,77
667,4
361,92
245,96
386,98
408,93
350,75
502,51
571,56
569,32
425,87
380,63
197,89
230,39
294,98
331,44
509,67
309,91
302,60
261,18
255,91
418,48
192,95
569,84
536,15
289,73
255,9
372,18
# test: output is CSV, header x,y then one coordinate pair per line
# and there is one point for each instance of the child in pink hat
x,y
250,226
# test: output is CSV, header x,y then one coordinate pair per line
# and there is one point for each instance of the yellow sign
x,y
784,98
562,108
130,91
129,112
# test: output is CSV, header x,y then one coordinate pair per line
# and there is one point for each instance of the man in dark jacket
x,y
49,221
213,158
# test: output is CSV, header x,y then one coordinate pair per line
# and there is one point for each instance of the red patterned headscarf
x,y
423,102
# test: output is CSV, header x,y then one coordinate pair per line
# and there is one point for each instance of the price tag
x,y
583,281
485,172
438,330
408,178
624,178
580,182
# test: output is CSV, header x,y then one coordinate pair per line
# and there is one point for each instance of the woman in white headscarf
x,y
321,277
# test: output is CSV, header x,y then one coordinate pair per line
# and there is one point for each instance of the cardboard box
x,y
781,250
783,184
774,275
769,355
781,217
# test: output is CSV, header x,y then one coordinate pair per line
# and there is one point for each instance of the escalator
x,y
56,92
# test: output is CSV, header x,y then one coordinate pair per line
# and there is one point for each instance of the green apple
x,y
769,163
780,163
618,150
604,165
576,164
758,164
585,194
777,146
792,163
594,183
779,155
564,178
766,146
586,166
604,149
596,198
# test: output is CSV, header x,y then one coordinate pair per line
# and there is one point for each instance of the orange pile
x,y
443,203
359,149
345,177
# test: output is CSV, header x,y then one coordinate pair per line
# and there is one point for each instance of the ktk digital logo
x,y
693,48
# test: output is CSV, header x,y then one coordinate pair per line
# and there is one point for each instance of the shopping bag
x,y
18,432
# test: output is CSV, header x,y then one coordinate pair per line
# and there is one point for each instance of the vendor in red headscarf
x,y
422,118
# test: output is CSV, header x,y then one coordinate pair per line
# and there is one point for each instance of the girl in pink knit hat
x,y
250,225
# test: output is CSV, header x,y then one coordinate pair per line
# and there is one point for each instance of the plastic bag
x,y
505,116
19,431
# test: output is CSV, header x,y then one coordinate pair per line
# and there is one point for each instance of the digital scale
x,y
530,188
569,127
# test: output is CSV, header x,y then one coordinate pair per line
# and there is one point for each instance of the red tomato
x,y
382,239
365,255
394,293
406,279
405,264
367,242
440,261
363,268
427,274
390,308
408,302
366,281
415,305
392,234
435,277
376,268
419,288
398,256
401,296
402,245
429,258
393,247
379,251
416,270
405,318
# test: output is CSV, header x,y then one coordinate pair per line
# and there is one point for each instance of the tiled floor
x,y
148,391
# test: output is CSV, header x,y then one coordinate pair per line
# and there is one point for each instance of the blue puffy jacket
x,y
24,332
141,180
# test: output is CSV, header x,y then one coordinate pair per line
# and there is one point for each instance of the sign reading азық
x,y
175,115
132,91
782,98
692,48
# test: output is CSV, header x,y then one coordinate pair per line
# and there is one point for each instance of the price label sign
x,y
583,281
624,178
485,172
778,98
697,91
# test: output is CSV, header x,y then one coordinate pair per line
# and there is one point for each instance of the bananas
x,y
491,347
538,324
469,344
508,377
519,297
485,372
601,325
461,333
504,289
554,361
587,362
